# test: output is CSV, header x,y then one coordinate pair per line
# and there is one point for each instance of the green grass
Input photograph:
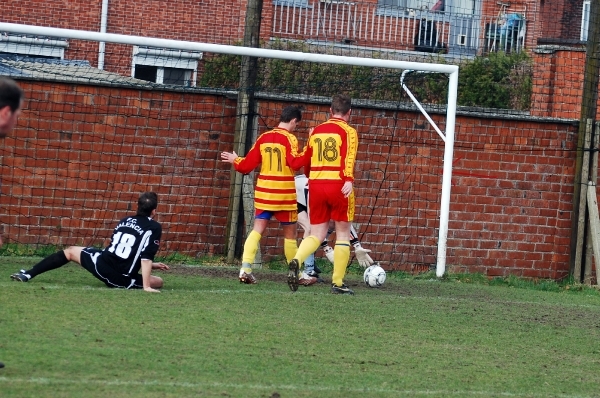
x,y
64,334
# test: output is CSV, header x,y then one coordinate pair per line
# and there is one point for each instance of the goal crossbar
x,y
450,70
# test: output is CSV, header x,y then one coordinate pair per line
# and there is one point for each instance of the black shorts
x,y
301,207
90,260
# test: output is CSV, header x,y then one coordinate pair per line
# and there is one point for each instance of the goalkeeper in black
x,y
134,243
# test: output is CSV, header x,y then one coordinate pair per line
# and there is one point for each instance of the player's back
x,y
274,146
133,237
332,150
275,188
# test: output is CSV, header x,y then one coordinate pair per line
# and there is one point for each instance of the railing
x,y
396,28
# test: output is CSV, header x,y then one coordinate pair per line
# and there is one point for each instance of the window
x,y
412,4
293,3
165,66
400,8
35,47
585,21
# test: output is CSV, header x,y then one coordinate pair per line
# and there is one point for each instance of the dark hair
x,y
10,94
289,113
146,203
341,104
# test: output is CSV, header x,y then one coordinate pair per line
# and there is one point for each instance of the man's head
x,y
289,113
290,117
11,97
341,105
147,204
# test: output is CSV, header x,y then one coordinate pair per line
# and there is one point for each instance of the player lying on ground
x,y
133,245
362,256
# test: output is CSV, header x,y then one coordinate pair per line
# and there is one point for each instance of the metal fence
x,y
398,28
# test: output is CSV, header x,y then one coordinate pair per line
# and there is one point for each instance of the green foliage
x,y
221,71
497,80
20,250
288,77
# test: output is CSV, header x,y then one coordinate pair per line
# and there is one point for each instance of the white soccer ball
x,y
374,276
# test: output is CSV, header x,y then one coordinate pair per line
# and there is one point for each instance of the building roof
x,y
71,71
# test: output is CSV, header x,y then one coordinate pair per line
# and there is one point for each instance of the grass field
x,y
64,334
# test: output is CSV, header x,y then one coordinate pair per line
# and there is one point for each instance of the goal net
x,y
159,113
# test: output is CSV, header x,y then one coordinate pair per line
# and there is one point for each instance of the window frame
x,y
585,20
165,58
33,46
292,3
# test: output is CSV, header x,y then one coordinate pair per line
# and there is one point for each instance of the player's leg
x,y
251,247
290,245
304,222
342,213
288,220
307,247
341,252
310,244
51,262
156,282
73,253
319,219
290,233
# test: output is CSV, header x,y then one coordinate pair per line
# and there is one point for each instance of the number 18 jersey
x,y
331,152
134,238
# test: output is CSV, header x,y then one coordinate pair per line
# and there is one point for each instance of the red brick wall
x,y
558,82
81,155
219,22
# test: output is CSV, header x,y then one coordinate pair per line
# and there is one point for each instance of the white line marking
x,y
303,387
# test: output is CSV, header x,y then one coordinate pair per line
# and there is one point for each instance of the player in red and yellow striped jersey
x,y
328,160
275,192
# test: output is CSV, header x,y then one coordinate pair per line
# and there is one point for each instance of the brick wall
x,y
558,81
81,155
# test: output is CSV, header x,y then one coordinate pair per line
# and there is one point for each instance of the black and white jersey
x,y
301,182
135,238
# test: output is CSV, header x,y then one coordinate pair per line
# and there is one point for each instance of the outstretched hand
x,y
364,260
162,266
151,290
228,157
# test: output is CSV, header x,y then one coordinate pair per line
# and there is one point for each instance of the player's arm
x,y
245,164
146,273
147,255
296,160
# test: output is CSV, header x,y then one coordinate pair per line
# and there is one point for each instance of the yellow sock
x,y
290,247
341,256
250,248
307,247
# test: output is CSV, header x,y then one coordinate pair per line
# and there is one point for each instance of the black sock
x,y
51,262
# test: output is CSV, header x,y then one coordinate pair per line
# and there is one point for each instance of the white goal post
x,y
450,70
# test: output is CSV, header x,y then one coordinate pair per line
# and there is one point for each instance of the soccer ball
x,y
374,276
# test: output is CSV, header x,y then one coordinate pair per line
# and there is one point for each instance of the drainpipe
x,y
103,19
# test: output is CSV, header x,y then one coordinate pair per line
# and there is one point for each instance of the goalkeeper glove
x,y
364,260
